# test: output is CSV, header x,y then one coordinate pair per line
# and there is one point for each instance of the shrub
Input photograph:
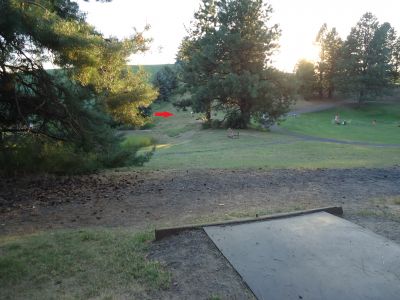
x,y
28,154
182,104
32,154
235,120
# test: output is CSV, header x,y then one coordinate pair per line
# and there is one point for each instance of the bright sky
x,y
298,20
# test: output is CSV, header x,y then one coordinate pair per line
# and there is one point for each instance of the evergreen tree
x,y
330,46
396,61
306,78
197,58
165,80
365,65
225,61
68,104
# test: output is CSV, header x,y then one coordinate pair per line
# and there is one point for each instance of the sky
x,y
299,21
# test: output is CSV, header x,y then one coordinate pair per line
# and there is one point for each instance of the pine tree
x,y
396,61
330,46
165,80
225,61
197,58
306,78
365,65
71,104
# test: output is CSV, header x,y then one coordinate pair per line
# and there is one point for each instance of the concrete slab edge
x,y
161,233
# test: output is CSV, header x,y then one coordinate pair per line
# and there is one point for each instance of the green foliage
x,y
365,67
306,79
74,105
183,103
152,70
396,61
166,81
36,154
330,46
224,60
78,264
30,154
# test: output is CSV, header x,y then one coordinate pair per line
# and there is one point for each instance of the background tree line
x,y
363,66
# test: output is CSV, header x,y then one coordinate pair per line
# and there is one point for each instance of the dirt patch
x,y
144,200
199,270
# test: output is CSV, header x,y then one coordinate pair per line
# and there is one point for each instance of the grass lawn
x,y
360,128
182,144
78,264
254,149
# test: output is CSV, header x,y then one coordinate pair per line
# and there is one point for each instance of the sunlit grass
x,y
182,144
359,124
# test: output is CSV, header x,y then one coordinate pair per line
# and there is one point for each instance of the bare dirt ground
x,y
144,200
199,270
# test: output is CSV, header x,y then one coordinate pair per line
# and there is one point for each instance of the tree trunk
x,y
244,114
360,97
330,92
208,113
321,87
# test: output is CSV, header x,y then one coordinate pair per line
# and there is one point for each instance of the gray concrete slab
x,y
315,256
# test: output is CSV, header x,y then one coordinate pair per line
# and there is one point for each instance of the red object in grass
x,y
164,114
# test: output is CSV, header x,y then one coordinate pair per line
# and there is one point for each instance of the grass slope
x,y
360,128
182,144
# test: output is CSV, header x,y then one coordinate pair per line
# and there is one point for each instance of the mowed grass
x,y
359,127
78,264
254,149
182,144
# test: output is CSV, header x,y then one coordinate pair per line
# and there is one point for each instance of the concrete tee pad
x,y
314,256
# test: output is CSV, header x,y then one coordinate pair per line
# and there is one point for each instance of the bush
x,y
24,154
182,104
28,154
235,120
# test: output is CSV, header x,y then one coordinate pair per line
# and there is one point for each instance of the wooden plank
x,y
161,233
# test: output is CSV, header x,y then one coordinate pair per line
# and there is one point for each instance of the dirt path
x,y
164,198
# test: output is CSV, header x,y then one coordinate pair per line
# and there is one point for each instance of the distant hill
x,y
151,69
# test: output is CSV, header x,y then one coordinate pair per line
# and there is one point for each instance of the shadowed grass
x,y
254,149
78,264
